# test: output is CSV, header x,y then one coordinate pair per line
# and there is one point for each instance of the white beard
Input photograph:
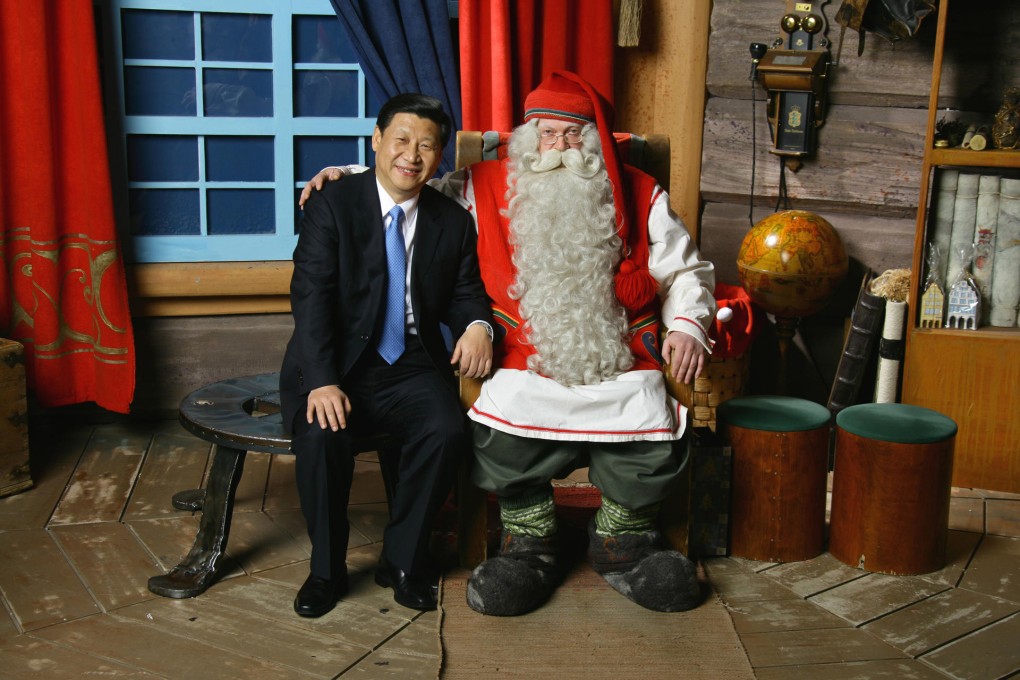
x,y
563,229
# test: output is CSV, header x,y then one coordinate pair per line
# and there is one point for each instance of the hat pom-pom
x,y
635,288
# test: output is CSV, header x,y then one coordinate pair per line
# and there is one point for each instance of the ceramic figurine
x,y
933,301
932,305
964,305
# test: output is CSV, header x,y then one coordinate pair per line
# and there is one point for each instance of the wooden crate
x,y
14,471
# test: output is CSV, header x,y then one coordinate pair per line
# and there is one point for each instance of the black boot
x,y
519,580
656,579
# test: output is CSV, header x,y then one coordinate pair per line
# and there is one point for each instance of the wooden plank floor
x,y
77,549
76,552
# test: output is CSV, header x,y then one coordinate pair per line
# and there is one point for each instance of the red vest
x,y
494,254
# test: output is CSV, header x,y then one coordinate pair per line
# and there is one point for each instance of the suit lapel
x,y
367,222
426,238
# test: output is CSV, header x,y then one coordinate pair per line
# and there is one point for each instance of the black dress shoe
x,y
318,596
411,591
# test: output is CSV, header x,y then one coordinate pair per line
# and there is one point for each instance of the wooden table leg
x,y
198,570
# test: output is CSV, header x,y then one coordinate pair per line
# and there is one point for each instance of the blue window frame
x,y
213,172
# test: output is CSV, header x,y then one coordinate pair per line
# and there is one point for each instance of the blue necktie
x,y
391,344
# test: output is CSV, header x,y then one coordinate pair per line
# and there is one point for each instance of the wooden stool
x,y
890,489
780,451
238,415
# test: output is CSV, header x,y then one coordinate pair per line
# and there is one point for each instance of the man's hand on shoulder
x,y
330,406
473,352
330,174
684,356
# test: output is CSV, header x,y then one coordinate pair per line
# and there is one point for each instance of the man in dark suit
x,y
367,351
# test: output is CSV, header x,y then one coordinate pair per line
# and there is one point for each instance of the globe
x,y
791,263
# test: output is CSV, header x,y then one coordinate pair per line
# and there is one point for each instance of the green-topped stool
x,y
890,489
780,454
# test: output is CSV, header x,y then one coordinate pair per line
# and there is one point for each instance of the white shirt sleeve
x,y
686,282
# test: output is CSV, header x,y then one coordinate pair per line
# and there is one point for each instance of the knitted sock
x,y
613,519
531,513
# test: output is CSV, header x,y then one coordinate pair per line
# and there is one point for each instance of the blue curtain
x,y
405,46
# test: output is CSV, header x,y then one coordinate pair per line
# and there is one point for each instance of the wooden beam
x,y
209,288
210,306
209,279
660,89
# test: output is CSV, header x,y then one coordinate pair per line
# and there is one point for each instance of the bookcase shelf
x,y
972,376
965,158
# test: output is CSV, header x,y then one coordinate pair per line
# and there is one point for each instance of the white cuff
x,y
488,327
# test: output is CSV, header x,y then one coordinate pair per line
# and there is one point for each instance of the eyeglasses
x,y
550,137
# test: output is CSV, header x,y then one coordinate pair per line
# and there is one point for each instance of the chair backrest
x,y
649,153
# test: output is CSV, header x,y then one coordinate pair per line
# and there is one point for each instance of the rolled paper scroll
x,y
1006,274
964,220
984,239
890,352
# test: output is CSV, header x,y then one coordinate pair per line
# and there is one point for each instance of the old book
x,y
942,223
14,470
1006,273
964,220
865,322
984,239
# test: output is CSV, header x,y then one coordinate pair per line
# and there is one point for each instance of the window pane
x,y
164,212
312,154
326,93
158,35
162,158
321,40
239,159
237,37
241,211
238,92
153,91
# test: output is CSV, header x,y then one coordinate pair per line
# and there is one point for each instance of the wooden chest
x,y
14,471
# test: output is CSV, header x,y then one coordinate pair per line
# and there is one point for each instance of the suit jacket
x,y
338,288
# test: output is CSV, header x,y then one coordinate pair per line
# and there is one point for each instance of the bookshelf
x,y
972,376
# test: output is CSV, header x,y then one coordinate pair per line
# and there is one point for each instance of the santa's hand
x,y
684,356
473,352
325,175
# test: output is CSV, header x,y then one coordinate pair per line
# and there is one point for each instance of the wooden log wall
x,y
865,176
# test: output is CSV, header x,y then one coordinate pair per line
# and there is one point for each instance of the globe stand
x,y
786,328
790,264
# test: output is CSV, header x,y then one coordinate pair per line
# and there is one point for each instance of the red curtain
x,y
62,286
507,47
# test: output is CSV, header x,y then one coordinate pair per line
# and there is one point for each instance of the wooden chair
x,y
651,154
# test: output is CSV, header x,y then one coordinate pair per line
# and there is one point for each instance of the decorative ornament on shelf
x,y
964,309
1006,128
951,132
791,263
933,301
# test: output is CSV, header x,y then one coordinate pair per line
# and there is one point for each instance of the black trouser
x,y
409,399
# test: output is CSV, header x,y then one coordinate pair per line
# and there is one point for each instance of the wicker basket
x,y
720,380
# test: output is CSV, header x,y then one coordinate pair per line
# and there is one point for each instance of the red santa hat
x,y
567,96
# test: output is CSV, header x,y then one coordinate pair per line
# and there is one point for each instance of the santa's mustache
x,y
582,164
